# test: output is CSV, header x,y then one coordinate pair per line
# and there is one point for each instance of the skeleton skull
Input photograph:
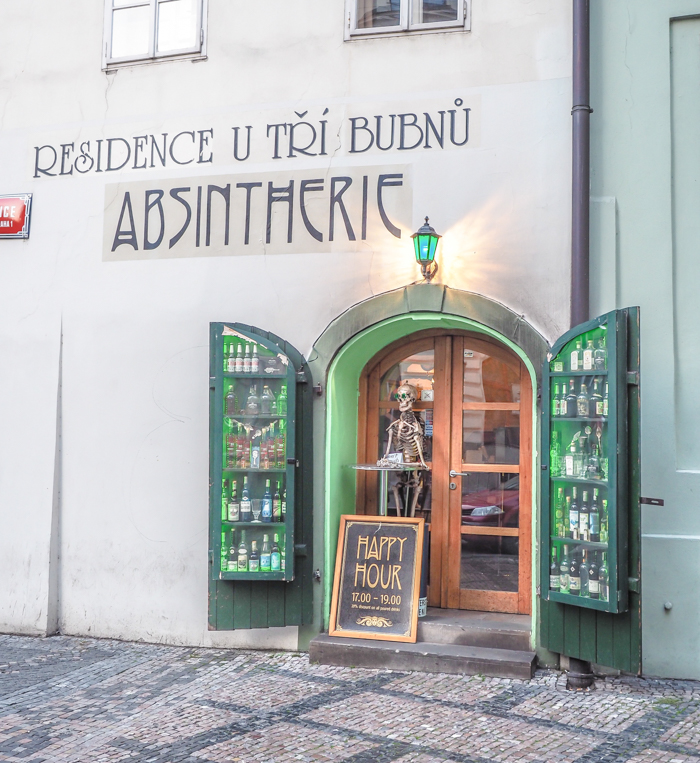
x,y
406,394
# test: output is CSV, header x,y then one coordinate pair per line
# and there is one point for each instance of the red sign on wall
x,y
14,215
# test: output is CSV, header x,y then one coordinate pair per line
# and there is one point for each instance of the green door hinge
x,y
634,584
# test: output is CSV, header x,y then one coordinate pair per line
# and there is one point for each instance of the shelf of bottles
x,y
255,395
580,493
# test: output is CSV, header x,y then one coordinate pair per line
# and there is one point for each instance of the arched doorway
x,y
475,396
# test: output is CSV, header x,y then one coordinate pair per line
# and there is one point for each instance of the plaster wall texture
x,y
130,516
640,98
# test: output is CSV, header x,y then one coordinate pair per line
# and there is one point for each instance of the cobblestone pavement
x,y
70,699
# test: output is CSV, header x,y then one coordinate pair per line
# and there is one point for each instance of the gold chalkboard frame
x,y
333,629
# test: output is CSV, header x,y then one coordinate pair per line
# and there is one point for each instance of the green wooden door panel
x,y
258,603
575,628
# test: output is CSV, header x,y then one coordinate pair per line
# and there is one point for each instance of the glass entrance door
x,y
475,398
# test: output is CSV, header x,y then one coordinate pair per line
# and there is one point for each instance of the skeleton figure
x,y
408,429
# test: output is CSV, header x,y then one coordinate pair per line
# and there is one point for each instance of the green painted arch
x,y
341,353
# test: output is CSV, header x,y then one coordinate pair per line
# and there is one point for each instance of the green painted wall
x,y
645,241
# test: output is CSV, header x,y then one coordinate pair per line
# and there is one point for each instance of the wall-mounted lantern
x,y
425,243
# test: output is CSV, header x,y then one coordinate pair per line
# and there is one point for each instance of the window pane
x,y
488,379
177,25
491,437
124,3
435,11
489,563
378,13
490,499
130,32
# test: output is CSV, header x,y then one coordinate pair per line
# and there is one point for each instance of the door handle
x,y
453,473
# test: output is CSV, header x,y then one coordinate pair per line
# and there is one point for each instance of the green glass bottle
x,y
230,401
593,578
559,508
266,505
603,578
555,454
554,577
242,562
571,401
275,556
564,564
574,575
246,504
583,402
265,555
277,505
254,558
584,516
604,521
224,500
594,518
234,506
224,552
584,568
233,555
282,401
596,399
573,516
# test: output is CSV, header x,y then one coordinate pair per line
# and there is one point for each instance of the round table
x,y
384,479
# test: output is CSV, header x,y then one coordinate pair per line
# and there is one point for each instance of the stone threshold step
x,y
468,628
423,656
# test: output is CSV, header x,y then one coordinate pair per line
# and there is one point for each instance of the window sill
x,y
193,57
379,34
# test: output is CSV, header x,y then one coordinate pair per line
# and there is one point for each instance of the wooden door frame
x,y
368,433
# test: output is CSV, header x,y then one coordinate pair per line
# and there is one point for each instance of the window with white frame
x,y
143,30
366,17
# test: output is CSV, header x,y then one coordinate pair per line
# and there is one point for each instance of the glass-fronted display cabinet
x,y
252,457
585,484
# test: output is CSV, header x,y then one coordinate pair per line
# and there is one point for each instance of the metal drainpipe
x,y
581,113
580,675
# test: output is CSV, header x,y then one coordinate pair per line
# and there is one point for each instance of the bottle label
x,y
605,407
239,365
594,522
275,561
265,562
593,587
573,521
574,584
583,521
245,507
234,512
564,581
266,510
255,457
242,564
587,360
569,462
284,508
558,366
563,407
254,565
554,582
574,360
583,407
276,509
599,408
604,591
233,566
246,365
556,408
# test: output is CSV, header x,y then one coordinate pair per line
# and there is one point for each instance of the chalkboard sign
x,y
377,578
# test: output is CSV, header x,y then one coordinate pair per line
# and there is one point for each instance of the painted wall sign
x,y
344,130
343,209
15,213
377,578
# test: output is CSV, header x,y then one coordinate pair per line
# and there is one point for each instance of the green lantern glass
x,y
425,243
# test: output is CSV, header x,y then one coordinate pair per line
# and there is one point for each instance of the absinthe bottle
x,y
255,361
588,356
234,506
246,505
604,521
242,554
584,574
593,580
266,401
571,401
556,402
583,518
574,576
231,360
266,507
604,586
596,399
573,516
576,356
233,555
254,558
265,555
583,402
594,518
564,571
224,499
563,404
230,401
277,505
247,360
275,556
252,405
600,356
282,401
554,578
